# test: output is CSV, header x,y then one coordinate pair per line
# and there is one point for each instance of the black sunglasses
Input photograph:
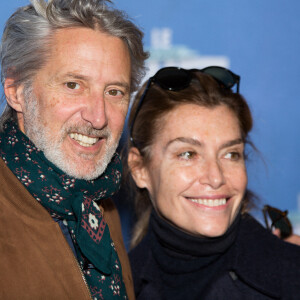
x,y
176,79
278,219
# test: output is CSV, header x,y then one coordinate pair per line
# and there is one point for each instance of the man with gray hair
x,y
68,69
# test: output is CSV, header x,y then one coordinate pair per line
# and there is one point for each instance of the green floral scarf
x,y
75,202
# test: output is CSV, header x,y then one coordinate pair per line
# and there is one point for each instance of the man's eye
x,y
72,85
233,155
115,92
187,155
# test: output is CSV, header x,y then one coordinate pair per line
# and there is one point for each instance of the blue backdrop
x,y
257,39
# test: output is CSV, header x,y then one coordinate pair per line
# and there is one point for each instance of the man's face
x,y
78,101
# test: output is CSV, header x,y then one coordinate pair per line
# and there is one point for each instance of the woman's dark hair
x,y
203,91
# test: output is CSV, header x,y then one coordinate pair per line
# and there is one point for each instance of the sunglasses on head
x,y
278,219
177,79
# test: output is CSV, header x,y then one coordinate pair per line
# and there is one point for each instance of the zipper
x,y
83,277
76,262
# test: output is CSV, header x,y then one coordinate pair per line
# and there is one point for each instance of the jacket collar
x,y
261,275
254,260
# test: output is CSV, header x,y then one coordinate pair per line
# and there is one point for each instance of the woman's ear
x,y
137,168
14,95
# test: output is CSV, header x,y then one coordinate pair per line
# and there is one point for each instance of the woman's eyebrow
x,y
196,142
186,140
232,143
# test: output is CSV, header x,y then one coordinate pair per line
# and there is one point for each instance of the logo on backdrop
x,y
163,53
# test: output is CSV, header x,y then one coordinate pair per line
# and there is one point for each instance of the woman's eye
x,y
73,85
233,155
187,155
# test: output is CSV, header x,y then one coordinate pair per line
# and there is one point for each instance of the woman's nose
x,y
212,174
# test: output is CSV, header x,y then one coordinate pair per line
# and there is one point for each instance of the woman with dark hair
x,y
193,238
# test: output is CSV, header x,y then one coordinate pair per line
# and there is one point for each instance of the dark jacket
x,y
36,261
260,266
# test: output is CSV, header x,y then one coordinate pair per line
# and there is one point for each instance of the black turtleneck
x,y
188,263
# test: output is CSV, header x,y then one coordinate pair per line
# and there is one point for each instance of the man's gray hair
x,y
27,37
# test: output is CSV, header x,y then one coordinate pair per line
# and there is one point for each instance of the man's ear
x,y
137,168
14,95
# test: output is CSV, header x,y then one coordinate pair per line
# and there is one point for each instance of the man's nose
x,y
94,111
212,174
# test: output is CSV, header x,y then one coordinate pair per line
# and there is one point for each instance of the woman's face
x,y
197,176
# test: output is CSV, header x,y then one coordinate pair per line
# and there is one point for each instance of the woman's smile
x,y
197,177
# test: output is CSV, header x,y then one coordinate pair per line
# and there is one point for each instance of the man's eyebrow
x,y
120,83
83,77
75,76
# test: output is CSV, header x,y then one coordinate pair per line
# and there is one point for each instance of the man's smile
x,y
84,140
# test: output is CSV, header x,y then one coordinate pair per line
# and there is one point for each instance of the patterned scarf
x,y
73,201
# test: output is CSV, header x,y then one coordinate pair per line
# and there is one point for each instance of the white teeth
x,y
210,202
83,140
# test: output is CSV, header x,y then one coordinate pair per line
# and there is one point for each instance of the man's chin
x,y
88,166
79,166
83,169
85,175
